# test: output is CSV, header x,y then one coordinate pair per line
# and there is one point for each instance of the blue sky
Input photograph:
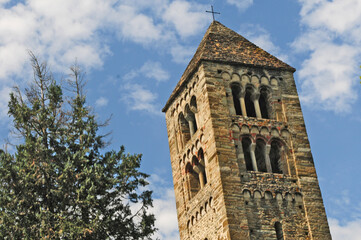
x,y
134,52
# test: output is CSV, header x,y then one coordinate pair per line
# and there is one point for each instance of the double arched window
x,y
263,157
250,102
184,128
187,122
193,180
250,106
196,173
191,118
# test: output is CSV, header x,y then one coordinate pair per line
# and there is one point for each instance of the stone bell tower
x,y
241,161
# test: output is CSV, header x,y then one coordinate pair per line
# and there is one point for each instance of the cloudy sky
x,y
134,52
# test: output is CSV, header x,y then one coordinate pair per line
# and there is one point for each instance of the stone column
x,y
199,169
255,97
190,119
257,108
191,127
253,157
243,106
267,159
195,115
201,179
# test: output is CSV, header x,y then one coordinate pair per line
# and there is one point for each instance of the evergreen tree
x,y
59,184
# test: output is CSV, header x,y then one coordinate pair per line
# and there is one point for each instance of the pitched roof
x,y
221,44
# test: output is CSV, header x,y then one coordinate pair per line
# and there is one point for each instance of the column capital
x,y
255,96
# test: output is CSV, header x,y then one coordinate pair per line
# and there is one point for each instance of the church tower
x,y
241,160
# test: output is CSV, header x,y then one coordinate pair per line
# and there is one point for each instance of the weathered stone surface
x,y
232,201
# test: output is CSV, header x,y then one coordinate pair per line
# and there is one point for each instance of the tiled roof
x,y
221,44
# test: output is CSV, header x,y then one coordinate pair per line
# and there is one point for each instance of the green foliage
x,y
58,184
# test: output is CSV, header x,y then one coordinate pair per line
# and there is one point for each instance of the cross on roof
x,y
213,12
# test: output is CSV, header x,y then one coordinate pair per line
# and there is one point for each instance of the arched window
x,y
246,146
251,112
279,231
194,109
193,104
236,91
260,153
275,156
191,118
202,162
193,180
184,128
264,103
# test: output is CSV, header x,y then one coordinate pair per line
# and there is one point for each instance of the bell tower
x,y
241,161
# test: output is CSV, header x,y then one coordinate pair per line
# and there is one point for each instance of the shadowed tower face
x,y
241,160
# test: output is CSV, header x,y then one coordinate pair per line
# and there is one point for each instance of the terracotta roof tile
x,y
221,44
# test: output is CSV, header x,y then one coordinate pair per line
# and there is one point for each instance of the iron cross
x,y
213,12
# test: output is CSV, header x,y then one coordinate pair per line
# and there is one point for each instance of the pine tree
x,y
60,183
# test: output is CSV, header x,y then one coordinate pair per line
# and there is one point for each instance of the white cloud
x,y
136,26
150,69
350,231
329,76
240,4
164,209
262,38
101,102
338,16
182,54
332,38
4,1
166,215
155,71
188,19
60,31
138,98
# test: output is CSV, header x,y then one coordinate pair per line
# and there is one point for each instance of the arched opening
x,y
202,162
191,118
279,231
246,145
251,112
193,180
193,105
264,103
260,153
236,92
184,128
275,156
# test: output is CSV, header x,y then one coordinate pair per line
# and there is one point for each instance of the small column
x,y
191,127
257,108
243,106
253,157
201,179
254,98
268,161
199,169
